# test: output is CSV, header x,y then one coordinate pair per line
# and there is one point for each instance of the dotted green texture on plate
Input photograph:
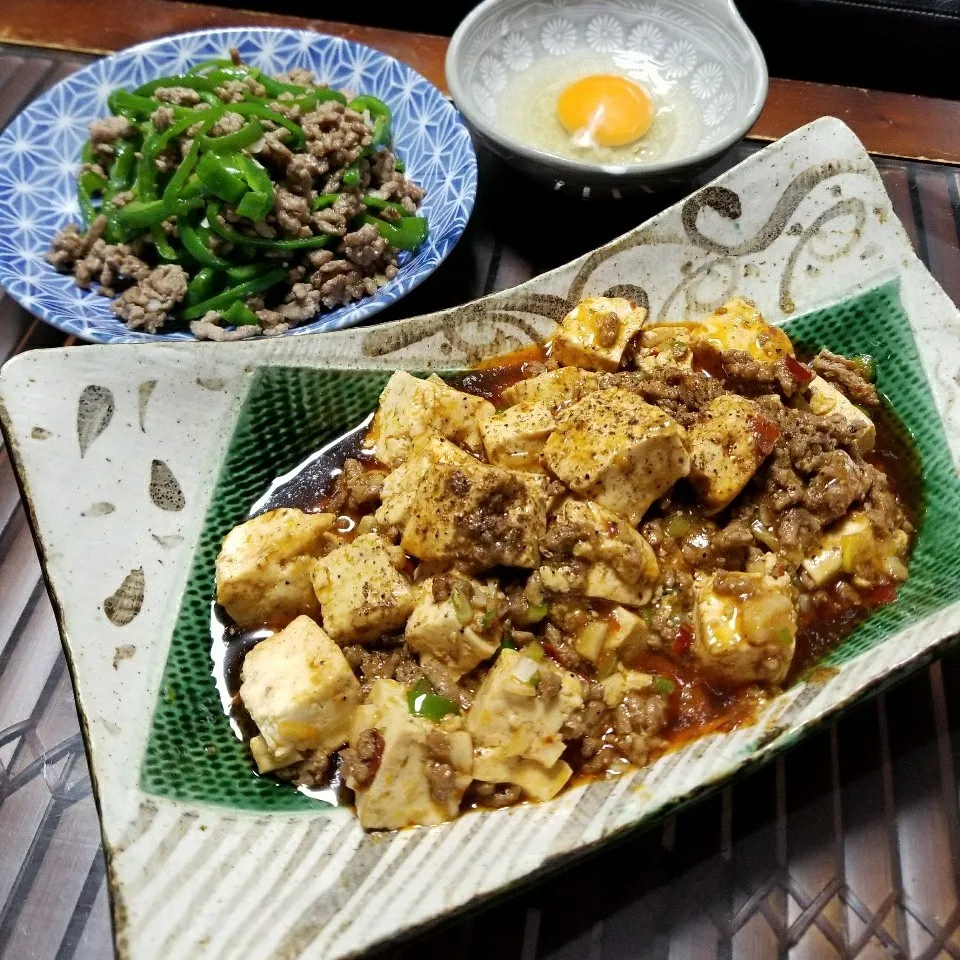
x,y
192,753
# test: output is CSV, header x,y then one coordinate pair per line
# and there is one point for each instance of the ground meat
x,y
233,91
398,663
798,530
146,304
110,266
556,645
273,151
70,245
549,685
846,374
364,246
298,76
837,483
162,117
293,214
438,768
725,547
313,771
105,131
338,282
362,487
178,96
230,122
741,373
359,765
300,173
335,133
608,330
494,795
208,328
682,393
387,182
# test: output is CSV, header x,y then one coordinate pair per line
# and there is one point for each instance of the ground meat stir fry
x,y
635,539
306,210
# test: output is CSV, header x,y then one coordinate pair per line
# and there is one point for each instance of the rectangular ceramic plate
x,y
135,460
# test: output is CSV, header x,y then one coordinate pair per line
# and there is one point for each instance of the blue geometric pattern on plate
x,y
39,154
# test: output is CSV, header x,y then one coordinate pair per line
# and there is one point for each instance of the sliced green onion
x,y
664,686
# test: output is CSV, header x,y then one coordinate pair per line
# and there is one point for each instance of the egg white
x,y
527,110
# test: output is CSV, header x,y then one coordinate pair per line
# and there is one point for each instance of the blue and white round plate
x,y
40,150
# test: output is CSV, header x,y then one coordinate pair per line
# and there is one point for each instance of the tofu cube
x,y
481,515
362,594
399,794
515,728
553,388
739,326
410,407
301,693
264,567
594,334
725,450
401,485
621,565
619,451
599,639
853,548
745,628
515,437
623,681
824,399
435,629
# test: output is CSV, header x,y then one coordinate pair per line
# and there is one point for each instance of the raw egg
x,y
605,109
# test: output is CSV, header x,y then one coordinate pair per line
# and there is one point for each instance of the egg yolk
x,y
612,111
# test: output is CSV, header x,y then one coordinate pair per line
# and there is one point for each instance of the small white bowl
x,y
703,44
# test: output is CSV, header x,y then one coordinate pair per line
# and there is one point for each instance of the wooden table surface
x,y
847,846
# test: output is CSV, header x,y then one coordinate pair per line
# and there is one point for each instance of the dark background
x,y
910,46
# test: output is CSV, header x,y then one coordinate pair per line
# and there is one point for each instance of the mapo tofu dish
x,y
559,566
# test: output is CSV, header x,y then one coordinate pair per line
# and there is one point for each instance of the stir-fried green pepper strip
x,y
239,314
222,176
408,234
178,181
351,176
121,171
380,115
221,229
126,104
325,200
313,97
89,183
259,200
378,203
244,272
164,247
195,243
275,87
188,80
210,65
231,142
253,108
139,215
205,283
239,292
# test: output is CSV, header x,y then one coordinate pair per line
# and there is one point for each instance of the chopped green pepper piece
x,y
325,200
424,701
164,247
351,176
240,315
678,525
246,271
378,203
536,612
258,202
866,366
664,686
408,234
203,286
126,104
231,142
178,181
256,109
222,176
138,215
121,171
239,292
196,242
